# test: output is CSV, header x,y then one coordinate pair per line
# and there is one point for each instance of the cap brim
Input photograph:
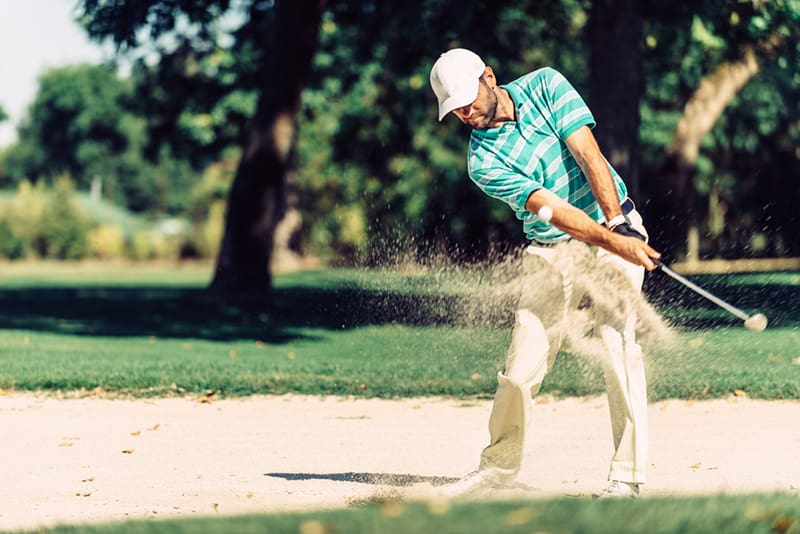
x,y
457,101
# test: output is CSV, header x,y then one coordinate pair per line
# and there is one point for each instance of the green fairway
x,y
729,514
154,331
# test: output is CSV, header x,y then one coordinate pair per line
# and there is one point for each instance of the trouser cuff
x,y
626,473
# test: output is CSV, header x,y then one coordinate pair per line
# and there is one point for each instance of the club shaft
x,y
700,291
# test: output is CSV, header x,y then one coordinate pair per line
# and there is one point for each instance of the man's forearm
x,y
587,154
581,227
577,224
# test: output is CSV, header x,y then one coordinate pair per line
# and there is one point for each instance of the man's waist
x,y
627,206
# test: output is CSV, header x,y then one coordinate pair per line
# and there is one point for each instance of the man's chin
x,y
479,125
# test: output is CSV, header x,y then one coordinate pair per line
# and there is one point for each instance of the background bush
x,y
57,222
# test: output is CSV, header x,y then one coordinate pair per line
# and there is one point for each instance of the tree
x,y
281,37
78,124
616,82
3,114
257,201
726,43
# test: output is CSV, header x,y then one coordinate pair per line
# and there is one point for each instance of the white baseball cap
x,y
454,79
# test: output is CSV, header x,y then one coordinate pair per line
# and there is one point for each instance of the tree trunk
x,y
674,207
616,82
257,201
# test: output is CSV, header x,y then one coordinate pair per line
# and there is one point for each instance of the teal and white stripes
x,y
517,158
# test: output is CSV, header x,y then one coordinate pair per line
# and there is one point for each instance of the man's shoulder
x,y
536,77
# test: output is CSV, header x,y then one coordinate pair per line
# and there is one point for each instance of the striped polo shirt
x,y
518,157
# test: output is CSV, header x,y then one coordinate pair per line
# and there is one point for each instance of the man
x,y
532,147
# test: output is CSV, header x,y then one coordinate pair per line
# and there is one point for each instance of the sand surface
x,y
98,460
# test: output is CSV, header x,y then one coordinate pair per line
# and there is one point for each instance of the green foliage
x,y
106,242
3,114
12,245
104,19
79,124
208,202
62,229
74,125
22,214
41,222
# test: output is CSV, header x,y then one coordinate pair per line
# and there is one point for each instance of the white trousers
x,y
552,290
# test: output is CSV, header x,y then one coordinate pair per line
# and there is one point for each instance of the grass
x,y
746,514
154,331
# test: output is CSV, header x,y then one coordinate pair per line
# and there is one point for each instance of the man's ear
x,y
488,75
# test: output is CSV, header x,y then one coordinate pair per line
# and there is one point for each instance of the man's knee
x,y
529,349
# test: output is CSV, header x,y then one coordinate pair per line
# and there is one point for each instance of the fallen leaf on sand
x,y
740,393
137,433
154,427
128,451
695,466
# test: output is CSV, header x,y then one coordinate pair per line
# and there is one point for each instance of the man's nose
x,y
463,111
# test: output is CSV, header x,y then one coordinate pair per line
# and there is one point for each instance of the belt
x,y
627,206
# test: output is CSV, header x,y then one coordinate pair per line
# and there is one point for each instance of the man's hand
x,y
634,249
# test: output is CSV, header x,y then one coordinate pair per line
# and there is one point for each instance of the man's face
x,y
480,113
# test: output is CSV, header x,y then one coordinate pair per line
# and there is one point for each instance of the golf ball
x,y
545,213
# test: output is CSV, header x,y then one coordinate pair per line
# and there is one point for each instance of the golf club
x,y
757,322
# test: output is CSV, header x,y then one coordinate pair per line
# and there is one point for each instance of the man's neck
x,y
506,110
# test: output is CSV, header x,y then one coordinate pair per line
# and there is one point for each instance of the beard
x,y
483,119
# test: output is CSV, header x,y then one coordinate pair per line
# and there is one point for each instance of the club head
x,y
757,322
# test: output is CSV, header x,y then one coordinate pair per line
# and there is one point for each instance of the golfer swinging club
x,y
532,147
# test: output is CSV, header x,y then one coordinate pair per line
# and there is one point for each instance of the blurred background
x,y
261,135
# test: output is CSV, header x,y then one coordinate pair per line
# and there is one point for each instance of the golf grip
x,y
699,290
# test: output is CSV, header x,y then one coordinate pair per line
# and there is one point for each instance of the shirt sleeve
x,y
568,111
500,182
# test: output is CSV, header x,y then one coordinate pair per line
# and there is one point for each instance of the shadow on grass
x,y
381,479
191,312
292,312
